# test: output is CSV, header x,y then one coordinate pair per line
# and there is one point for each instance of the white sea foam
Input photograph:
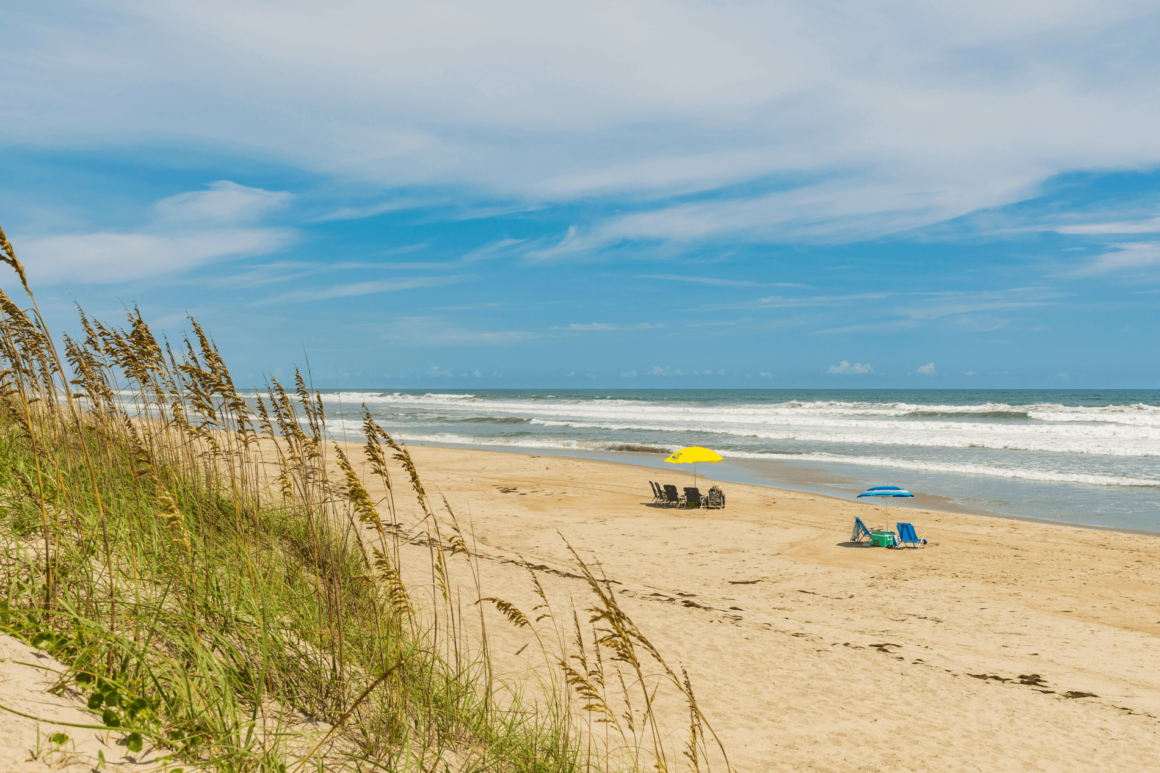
x,y
567,445
788,413
1135,414
1115,445
871,461
1072,439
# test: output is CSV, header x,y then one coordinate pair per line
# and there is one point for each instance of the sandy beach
x,y
1002,646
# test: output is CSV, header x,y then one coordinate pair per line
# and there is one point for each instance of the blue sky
x,y
625,194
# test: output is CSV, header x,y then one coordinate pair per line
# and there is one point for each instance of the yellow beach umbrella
x,y
692,455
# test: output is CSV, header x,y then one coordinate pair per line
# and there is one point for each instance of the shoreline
x,y
1038,455
636,459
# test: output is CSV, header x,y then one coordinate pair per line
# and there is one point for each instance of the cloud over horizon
x,y
846,369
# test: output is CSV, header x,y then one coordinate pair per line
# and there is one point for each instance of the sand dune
x,y
26,745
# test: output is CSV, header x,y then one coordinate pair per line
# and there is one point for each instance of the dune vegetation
x,y
222,588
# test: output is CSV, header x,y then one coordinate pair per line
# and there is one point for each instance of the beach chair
x,y
672,498
715,499
658,492
860,531
692,497
907,537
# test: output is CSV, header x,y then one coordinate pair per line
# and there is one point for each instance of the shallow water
x,y
1088,457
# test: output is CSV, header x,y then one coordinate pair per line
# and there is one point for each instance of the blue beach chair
x,y
907,537
860,531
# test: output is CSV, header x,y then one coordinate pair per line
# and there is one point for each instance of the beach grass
x,y
223,587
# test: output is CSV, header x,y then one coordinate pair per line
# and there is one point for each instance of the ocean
x,y
1083,457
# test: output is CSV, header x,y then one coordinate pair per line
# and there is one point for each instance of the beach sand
x,y
1002,646
26,678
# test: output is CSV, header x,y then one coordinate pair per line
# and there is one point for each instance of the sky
x,y
631,194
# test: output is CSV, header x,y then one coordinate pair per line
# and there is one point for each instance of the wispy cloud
x,y
1122,257
818,300
184,232
966,309
486,213
1149,226
372,210
607,327
492,250
948,304
719,282
926,370
442,331
926,111
287,270
789,302
358,288
223,202
878,326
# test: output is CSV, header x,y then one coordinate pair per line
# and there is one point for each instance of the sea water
x,y
1082,457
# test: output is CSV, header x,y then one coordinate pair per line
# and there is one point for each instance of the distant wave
x,y
568,445
1039,441
871,461
997,414
1070,439
492,420
770,413
395,397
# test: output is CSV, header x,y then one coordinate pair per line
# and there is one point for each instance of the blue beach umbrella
x,y
886,491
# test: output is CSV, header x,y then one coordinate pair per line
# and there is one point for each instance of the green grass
x,y
208,608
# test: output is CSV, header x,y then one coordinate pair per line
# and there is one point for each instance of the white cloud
x,y
897,114
970,373
224,202
926,370
1123,257
845,368
627,374
187,231
763,374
